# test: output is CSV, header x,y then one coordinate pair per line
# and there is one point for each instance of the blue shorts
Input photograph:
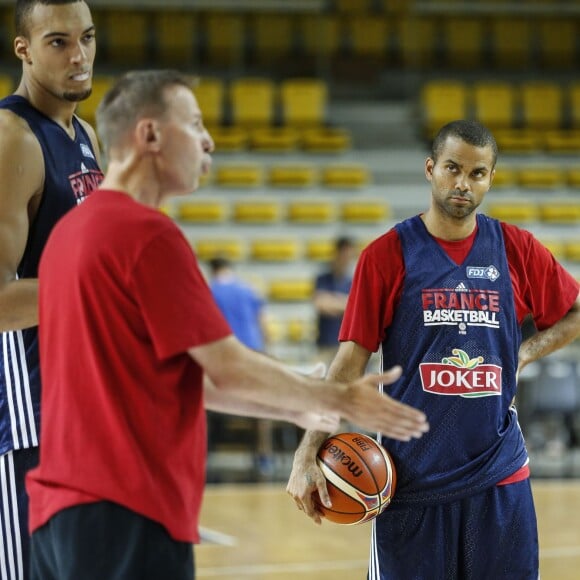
x,y
14,536
489,535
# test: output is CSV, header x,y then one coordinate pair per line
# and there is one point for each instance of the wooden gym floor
x,y
254,532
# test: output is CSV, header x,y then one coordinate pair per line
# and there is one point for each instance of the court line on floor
x,y
295,567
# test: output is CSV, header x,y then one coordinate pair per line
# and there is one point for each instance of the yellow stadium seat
x,y
292,175
516,211
320,250
257,212
291,290
210,95
557,247
174,34
199,211
369,36
326,140
127,36
574,104
494,104
345,175
573,250
320,34
417,37
275,330
311,212
464,41
206,249
235,175
273,37
441,102
225,38
562,141
7,85
252,102
87,109
560,212
511,42
275,250
300,330
557,42
303,101
227,139
518,140
274,139
504,176
536,176
573,176
370,211
542,105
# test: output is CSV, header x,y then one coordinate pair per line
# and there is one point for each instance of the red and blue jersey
x,y
71,172
453,324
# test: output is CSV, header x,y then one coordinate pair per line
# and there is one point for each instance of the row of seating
x,y
184,38
255,113
525,211
537,176
267,211
238,249
296,175
534,106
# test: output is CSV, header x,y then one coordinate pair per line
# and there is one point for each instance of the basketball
x,y
360,476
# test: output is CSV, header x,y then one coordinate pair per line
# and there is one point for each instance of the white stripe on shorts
x,y
11,565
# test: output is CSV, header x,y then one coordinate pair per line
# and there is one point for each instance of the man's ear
x,y
22,49
429,164
147,134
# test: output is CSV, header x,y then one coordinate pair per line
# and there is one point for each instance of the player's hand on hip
x,y
306,479
375,411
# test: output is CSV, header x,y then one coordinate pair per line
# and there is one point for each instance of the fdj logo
x,y
486,272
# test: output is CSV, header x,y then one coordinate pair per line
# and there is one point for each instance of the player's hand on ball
x,y
375,411
307,480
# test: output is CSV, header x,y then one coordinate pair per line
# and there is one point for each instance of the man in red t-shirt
x,y
128,331
444,294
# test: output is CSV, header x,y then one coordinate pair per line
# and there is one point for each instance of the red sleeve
x,y
542,287
174,298
375,292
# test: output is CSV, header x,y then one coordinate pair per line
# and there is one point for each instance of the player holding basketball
x,y
444,295
128,326
48,164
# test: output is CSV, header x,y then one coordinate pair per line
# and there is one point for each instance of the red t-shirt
x,y
542,288
121,301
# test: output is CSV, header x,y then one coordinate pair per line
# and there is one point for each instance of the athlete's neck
x,y
448,228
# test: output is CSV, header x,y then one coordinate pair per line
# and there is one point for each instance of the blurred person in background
x,y
330,296
243,308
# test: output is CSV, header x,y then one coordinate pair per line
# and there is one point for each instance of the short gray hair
x,y
134,95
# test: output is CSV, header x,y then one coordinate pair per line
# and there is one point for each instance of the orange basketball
x,y
360,478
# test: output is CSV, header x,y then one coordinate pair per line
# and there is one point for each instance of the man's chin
x,y
77,97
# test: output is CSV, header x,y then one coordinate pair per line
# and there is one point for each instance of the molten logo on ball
x,y
360,477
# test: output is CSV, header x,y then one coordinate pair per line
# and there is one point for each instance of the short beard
x,y
456,212
77,97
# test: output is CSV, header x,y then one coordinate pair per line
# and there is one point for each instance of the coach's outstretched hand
x,y
368,408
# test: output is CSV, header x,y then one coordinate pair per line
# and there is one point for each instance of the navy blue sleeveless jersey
x,y
71,173
456,335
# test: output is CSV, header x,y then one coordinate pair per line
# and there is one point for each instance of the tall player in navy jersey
x,y
444,294
48,164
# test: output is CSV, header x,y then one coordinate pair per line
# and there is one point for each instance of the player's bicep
x,y
21,179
